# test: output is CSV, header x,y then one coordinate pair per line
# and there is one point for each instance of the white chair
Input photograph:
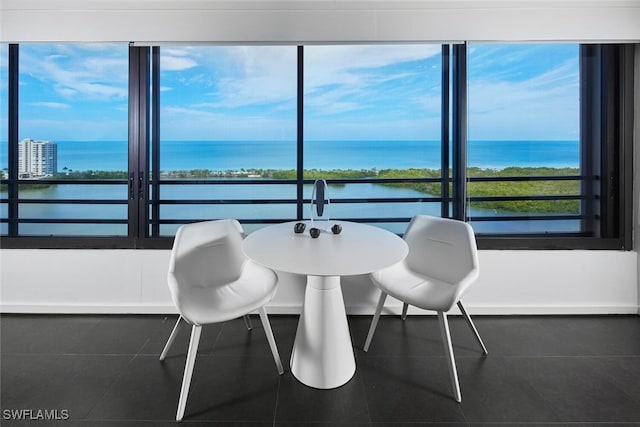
x,y
441,265
211,281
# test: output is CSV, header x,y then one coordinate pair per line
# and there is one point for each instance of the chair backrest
x,y
205,255
441,248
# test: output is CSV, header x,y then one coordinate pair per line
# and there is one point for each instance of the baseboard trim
x,y
514,310
86,309
295,310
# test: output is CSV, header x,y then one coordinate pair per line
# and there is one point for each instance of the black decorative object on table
x,y
318,201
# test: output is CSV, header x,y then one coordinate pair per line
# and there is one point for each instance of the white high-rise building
x,y
37,158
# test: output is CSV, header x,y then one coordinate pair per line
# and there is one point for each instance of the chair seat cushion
x,y
253,289
415,289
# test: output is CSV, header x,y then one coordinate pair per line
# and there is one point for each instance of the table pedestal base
x,y
322,354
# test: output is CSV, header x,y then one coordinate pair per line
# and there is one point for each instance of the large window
x,y
71,140
523,158
227,135
116,146
373,113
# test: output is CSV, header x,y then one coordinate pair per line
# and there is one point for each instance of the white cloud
x,y
87,72
258,75
178,124
73,129
54,105
527,91
231,82
344,64
545,106
176,60
343,78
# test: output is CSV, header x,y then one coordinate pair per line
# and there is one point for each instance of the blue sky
x,y
79,92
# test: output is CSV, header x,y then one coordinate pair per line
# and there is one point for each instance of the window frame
x,y
607,74
606,117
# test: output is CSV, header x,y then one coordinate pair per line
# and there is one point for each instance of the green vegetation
x,y
526,188
474,189
91,174
504,188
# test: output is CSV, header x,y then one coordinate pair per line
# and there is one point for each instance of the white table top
x,y
358,249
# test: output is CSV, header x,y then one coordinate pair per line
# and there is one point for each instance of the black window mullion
x,y
12,128
459,131
444,139
608,136
143,144
625,157
134,101
138,140
300,137
606,110
616,139
155,142
590,123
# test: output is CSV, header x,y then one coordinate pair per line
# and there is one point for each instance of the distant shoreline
x,y
327,155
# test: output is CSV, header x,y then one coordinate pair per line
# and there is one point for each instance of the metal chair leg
x,y
272,342
467,317
374,322
448,348
172,337
196,330
405,307
247,321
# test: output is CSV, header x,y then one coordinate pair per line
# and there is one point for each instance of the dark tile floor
x,y
104,371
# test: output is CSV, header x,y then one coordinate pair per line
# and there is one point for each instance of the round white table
x,y
322,354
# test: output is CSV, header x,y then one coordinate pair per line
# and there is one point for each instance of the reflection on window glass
x,y
73,125
524,121
228,113
374,112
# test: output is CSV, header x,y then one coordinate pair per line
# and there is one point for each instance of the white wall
x,y
636,145
134,281
309,21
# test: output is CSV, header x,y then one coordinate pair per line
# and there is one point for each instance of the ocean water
x,y
327,155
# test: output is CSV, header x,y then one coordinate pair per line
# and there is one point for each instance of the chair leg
x,y
247,322
172,337
374,322
473,327
448,348
405,307
196,330
272,342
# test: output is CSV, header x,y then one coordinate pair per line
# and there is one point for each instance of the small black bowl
x,y
315,232
299,227
336,229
